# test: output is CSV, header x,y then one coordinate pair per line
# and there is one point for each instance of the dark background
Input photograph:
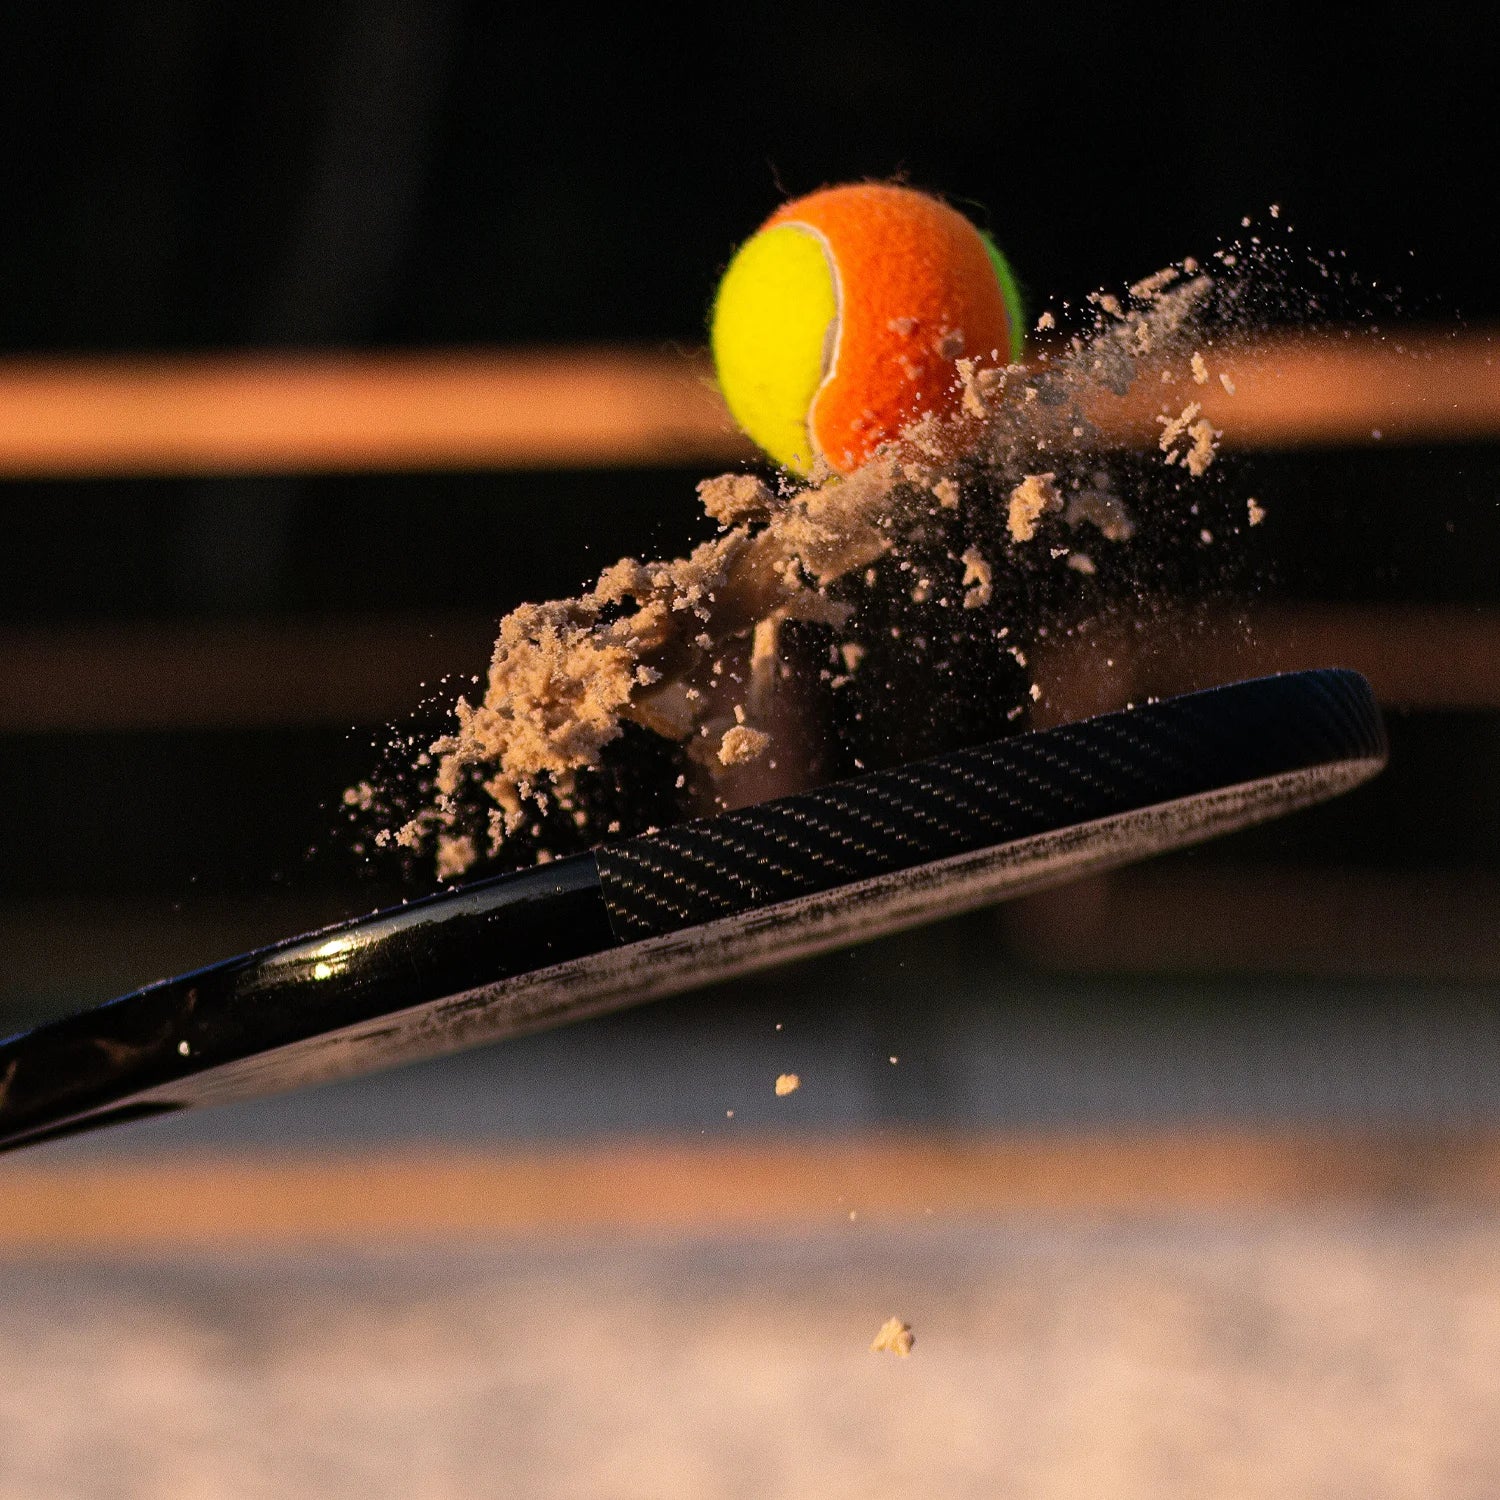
x,y
221,176
189,175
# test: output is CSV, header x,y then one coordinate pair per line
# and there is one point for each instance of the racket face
x,y
700,902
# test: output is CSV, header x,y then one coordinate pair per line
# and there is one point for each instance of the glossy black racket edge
x,y
654,915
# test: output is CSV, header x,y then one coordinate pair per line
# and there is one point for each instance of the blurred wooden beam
x,y
1333,388
674,1189
209,674
367,669
1204,916
249,413
1416,656
305,413
1429,657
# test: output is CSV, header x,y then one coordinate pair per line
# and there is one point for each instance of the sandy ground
x,y
1289,1356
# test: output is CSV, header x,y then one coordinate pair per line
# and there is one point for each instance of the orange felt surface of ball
x,y
916,291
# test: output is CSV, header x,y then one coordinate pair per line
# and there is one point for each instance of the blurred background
x,y
329,337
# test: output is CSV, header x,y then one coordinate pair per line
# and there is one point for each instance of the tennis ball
x,y
839,321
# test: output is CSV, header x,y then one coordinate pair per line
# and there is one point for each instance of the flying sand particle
x,y
742,744
895,1337
1032,499
978,579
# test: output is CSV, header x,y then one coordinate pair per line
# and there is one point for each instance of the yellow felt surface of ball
x,y
773,320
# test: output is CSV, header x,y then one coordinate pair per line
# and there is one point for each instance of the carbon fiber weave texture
x,y
896,819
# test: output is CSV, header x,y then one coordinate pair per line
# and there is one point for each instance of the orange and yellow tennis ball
x,y
840,321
